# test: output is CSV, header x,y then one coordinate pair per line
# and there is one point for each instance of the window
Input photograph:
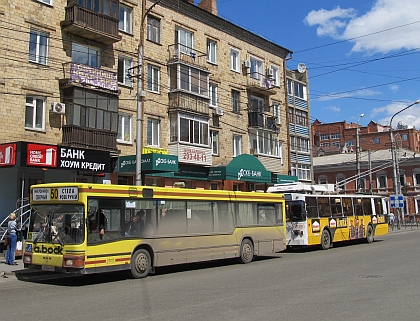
x,y
291,115
125,23
404,137
235,101
153,78
289,87
303,172
46,1
324,144
153,132
340,182
322,179
276,76
35,112
124,71
211,51
107,7
417,179
189,79
257,67
292,143
265,143
335,136
189,129
276,113
376,140
337,144
184,39
237,145
92,109
325,136
214,142
381,181
153,29
235,60
84,55
349,142
303,144
301,117
300,90
124,128
38,47
213,95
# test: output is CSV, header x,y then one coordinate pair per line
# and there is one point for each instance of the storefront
x,y
23,164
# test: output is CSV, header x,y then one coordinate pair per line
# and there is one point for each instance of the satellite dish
x,y
301,67
402,125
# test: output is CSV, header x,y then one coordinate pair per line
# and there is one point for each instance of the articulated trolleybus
x,y
92,228
316,215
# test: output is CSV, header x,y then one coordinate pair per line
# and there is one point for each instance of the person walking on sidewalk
x,y
12,239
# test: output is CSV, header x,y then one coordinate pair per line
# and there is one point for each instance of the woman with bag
x,y
11,239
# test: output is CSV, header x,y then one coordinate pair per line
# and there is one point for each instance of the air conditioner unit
x,y
270,72
219,111
58,108
247,64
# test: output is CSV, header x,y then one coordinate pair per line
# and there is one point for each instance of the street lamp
x,y
395,181
357,154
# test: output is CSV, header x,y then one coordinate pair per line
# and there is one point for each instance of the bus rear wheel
x,y
247,251
325,240
140,264
369,234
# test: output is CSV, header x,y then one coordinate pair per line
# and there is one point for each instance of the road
x,y
378,281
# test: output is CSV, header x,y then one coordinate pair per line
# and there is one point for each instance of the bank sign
x,y
68,158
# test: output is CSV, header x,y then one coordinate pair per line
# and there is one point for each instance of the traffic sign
x,y
396,201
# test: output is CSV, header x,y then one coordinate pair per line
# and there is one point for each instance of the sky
x,y
362,56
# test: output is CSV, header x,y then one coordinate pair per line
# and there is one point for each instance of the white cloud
x,y
411,116
343,24
333,109
355,93
394,87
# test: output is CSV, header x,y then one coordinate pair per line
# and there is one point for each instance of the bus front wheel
x,y
247,251
140,264
369,234
325,240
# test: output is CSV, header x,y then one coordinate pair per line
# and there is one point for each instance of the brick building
x,y
212,92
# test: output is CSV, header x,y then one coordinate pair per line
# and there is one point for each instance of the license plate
x,y
48,268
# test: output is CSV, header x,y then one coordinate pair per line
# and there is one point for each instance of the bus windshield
x,y
57,224
295,211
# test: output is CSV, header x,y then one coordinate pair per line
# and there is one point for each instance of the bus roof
x,y
302,188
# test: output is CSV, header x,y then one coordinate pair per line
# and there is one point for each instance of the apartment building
x,y
298,113
213,96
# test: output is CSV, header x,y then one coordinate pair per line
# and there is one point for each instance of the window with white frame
x,y
275,79
291,115
404,137
339,181
213,95
126,17
335,135
337,144
214,142
303,144
153,29
257,68
324,144
381,180
376,140
237,145
185,40
38,47
417,179
235,60
188,78
124,71
124,128
50,2
85,55
289,87
153,78
304,172
301,117
265,143
349,142
300,90
276,112
192,129
235,101
153,132
325,136
211,51
35,113
292,143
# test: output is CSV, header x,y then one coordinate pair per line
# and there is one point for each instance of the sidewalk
x,y
10,270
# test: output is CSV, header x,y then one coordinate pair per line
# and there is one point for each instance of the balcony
x,y
95,78
261,120
89,138
182,54
91,25
180,101
261,84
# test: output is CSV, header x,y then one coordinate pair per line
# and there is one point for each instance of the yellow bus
x,y
91,228
316,215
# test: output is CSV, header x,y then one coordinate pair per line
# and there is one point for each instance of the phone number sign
x,y
55,194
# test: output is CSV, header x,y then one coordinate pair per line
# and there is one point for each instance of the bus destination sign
x,y
55,194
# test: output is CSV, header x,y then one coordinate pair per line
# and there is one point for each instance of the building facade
x,y
73,78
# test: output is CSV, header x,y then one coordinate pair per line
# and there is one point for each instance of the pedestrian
x,y
12,230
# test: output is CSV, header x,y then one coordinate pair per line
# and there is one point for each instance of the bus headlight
x,y
73,262
27,258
